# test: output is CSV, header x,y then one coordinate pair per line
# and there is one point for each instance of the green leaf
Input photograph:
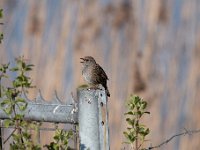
x,y
131,106
130,121
56,137
18,117
56,147
143,104
65,143
129,113
14,69
147,131
23,64
11,93
125,134
143,132
6,105
20,100
16,137
8,122
70,134
4,67
5,102
26,135
136,100
1,37
17,83
139,113
28,67
129,129
131,138
8,110
1,13
22,107
146,112
36,147
21,103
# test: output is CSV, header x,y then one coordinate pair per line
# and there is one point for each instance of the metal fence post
x,y
93,120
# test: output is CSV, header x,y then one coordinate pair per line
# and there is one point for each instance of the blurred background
x,y
148,48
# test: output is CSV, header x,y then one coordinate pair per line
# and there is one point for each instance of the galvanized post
x,y
93,120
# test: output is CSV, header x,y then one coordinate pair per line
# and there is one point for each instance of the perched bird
x,y
93,73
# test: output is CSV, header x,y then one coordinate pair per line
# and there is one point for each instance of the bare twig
x,y
187,132
9,136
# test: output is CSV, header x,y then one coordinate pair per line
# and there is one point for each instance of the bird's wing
x,y
100,73
103,74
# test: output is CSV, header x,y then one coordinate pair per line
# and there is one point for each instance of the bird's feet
x,y
93,88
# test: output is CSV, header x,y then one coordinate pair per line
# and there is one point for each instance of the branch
x,y
187,132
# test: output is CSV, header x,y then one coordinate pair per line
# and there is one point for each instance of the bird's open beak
x,y
82,60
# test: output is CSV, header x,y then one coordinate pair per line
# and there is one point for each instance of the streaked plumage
x,y
93,73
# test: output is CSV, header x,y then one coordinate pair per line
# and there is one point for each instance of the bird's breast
x,y
87,75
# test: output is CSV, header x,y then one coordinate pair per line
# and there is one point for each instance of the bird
x,y
93,73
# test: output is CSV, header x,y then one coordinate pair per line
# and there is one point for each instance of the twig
x,y
187,132
9,136
140,144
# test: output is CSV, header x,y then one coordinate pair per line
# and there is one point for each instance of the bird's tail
x,y
107,91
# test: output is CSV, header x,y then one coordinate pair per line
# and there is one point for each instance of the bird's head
x,y
88,60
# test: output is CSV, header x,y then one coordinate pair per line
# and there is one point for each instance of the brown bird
x,y
93,73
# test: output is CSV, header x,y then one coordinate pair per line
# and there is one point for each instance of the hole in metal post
x,y
102,123
101,95
101,104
